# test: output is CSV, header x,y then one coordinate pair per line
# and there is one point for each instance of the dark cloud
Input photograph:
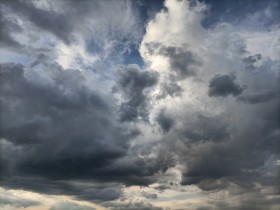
x,y
63,132
149,195
208,164
73,131
251,60
162,188
61,123
89,191
204,208
258,202
238,159
8,26
153,47
47,20
40,58
224,85
234,148
132,205
133,82
170,88
43,105
213,167
259,98
133,170
164,121
181,61
201,128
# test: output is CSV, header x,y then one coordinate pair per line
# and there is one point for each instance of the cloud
x,y
149,195
81,190
73,131
164,121
181,61
224,85
87,36
62,104
133,82
69,206
202,128
170,88
132,205
218,143
10,199
259,98
251,60
46,20
8,26
101,104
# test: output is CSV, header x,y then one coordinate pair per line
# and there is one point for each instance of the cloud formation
x,y
68,206
132,83
124,105
224,85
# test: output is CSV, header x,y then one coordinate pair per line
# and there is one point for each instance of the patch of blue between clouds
x,y
146,11
237,10
92,46
133,56
127,52
15,58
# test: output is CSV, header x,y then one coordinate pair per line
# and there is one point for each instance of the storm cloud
x,y
139,105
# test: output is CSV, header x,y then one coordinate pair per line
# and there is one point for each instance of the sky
x,y
147,105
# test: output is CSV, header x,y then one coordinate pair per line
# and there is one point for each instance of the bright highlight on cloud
x,y
139,104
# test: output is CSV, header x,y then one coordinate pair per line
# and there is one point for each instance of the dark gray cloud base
x,y
72,132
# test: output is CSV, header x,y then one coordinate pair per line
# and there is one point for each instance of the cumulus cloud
x,y
224,85
181,61
67,123
164,121
102,103
210,137
132,83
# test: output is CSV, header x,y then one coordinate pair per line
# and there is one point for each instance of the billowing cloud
x,y
63,102
132,83
124,105
224,85
164,121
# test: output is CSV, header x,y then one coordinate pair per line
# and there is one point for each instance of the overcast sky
x,y
148,105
